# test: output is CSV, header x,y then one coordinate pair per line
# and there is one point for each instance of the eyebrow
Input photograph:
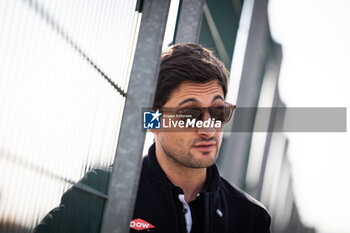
x,y
217,97
194,100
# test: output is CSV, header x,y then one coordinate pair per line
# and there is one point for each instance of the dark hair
x,y
187,62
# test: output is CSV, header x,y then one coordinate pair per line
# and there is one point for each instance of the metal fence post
x,y
189,21
124,179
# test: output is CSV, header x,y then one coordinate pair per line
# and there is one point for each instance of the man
x,y
180,189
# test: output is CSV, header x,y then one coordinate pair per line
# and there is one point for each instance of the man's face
x,y
198,147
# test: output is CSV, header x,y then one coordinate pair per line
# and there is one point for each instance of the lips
x,y
200,144
205,146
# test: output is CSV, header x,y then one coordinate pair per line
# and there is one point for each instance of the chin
x,y
207,162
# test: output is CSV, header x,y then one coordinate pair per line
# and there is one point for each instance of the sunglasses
x,y
221,113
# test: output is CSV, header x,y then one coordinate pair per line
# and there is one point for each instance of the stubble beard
x,y
177,156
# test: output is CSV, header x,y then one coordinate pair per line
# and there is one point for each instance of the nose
x,y
206,132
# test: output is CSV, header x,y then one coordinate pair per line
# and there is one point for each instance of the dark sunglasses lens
x,y
221,113
191,113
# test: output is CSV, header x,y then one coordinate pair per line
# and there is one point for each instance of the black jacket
x,y
155,204
226,208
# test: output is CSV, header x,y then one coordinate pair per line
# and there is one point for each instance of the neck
x,y
190,180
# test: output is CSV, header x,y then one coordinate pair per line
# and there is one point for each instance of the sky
x,y
315,39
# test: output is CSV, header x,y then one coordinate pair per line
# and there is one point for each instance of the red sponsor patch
x,y
139,224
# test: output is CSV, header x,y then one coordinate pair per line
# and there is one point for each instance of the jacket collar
x,y
152,168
